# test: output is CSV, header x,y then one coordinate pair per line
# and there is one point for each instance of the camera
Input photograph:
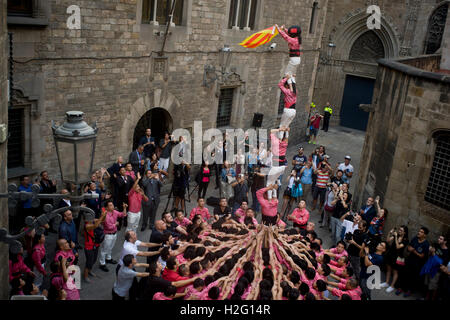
x,y
348,236
322,166
273,46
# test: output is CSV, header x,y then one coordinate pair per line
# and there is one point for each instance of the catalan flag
x,y
260,38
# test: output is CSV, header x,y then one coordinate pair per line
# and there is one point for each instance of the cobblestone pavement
x,y
338,142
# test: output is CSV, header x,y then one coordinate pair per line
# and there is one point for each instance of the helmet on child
x,y
295,31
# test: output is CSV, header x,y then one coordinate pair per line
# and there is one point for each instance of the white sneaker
x,y
389,290
384,285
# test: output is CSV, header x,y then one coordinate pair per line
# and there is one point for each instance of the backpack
x,y
297,190
99,235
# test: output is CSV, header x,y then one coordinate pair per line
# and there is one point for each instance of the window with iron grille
x,y
157,12
23,8
281,104
438,189
16,138
225,105
242,14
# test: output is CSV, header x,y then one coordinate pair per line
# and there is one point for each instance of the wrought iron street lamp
x,y
75,146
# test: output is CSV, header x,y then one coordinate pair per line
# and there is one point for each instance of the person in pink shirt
x,y
129,171
279,147
38,257
290,99
337,252
194,290
200,210
110,229
181,220
170,293
65,251
135,197
300,216
240,212
268,207
61,280
17,266
351,289
249,216
294,40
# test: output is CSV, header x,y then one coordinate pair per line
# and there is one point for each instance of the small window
x,y
22,8
242,14
16,138
225,106
312,24
281,104
438,189
157,12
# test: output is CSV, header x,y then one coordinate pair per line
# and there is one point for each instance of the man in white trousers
x,y
110,229
135,197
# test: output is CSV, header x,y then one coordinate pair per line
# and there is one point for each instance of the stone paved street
x,y
338,142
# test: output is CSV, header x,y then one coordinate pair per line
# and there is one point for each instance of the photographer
x,y
180,183
342,207
355,241
323,173
228,176
166,145
369,259
397,241
331,197
299,160
306,174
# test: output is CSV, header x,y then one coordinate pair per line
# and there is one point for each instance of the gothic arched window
x,y
438,189
368,48
436,26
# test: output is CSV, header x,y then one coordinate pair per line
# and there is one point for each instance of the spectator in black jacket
x,y
137,159
368,211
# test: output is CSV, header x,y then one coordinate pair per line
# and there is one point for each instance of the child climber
x,y
290,98
294,40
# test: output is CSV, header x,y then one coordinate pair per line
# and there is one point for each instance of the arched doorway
x,y
436,26
367,48
157,119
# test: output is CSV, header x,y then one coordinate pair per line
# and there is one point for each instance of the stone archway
x,y
156,99
354,26
158,120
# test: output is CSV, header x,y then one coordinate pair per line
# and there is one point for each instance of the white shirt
x,y
344,168
124,281
349,226
129,248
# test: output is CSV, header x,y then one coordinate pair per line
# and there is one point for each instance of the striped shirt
x,y
322,179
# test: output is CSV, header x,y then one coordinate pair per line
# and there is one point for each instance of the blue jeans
x,y
336,229
255,203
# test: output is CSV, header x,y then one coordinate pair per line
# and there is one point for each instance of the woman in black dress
x,y
395,260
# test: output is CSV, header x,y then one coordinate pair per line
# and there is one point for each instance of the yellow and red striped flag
x,y
260,38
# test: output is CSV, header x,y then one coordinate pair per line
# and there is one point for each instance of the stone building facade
x,y
349,50
112,70
407,146
3,146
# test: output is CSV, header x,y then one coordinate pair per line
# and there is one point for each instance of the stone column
x,y
445,60
4,286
